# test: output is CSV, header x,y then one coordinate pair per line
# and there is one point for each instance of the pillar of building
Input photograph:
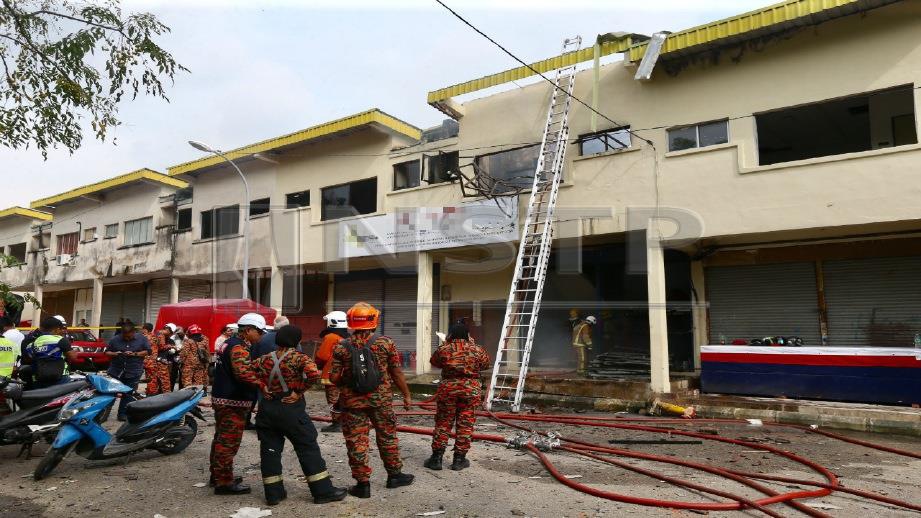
x,y
173,290
699,309
658,325
277,289
424,312
37,309
331,293
96,316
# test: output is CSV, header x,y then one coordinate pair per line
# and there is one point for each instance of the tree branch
x,y
76,19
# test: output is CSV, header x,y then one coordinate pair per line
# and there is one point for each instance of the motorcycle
x,y
34,411
158,422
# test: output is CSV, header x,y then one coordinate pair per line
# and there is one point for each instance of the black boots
x,y
275,493
236,480
434,462
237,488
333,427
460,461
361,490
399,480
335,495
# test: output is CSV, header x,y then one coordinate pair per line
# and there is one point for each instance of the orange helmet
x,y
363,316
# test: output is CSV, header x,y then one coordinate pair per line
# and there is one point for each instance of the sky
x,y
262,69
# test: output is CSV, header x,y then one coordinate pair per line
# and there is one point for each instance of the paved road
x,y
498,484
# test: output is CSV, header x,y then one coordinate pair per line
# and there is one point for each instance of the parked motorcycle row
x,y
69,416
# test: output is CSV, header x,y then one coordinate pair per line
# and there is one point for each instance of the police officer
x,y
336,330
284,375
9,350
47,355
458,395
127,350
361,411
232,396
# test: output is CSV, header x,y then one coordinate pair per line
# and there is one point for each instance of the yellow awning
x,y
141,175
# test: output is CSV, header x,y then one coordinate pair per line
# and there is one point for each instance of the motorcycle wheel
x,y
52,458
172,446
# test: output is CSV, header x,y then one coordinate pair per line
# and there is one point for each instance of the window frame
x,y
106,230
25,251
530,184
262,205
696,127
179,227
91,232
214,228
129,239
596,134
289,205
323,210
418,176
426,175
61,238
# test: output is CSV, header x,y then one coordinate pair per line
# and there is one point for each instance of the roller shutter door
x,y
873,302
194,289
159,295
123,301
400,311
755,301
348,292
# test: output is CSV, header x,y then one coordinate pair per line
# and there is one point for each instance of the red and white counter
x,y
862,374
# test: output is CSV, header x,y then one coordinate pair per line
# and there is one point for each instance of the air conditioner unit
x,y
64,259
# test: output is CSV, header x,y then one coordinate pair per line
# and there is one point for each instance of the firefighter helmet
x,y
194,329
363,316
336,320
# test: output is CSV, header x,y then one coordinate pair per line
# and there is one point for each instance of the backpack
x,y
366,377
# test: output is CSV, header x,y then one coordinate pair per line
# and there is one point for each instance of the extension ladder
x,y
517,339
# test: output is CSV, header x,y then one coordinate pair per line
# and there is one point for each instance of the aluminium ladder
x,y
511,366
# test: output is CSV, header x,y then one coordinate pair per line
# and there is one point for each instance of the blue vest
x,y
226,385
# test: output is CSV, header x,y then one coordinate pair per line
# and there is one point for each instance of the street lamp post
x,y
208,149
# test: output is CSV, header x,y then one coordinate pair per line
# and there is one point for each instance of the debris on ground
x,y
662,408
755,422
199,484
822,505
432,513
251,512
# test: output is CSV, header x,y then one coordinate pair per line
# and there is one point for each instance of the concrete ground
x,y
502,482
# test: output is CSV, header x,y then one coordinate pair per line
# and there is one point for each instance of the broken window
x,y
602,141
698,135
221,221
67,243
259,207
441,167
515,167
18,252
138,231
294,200
112,230
349,199
834,127
183,219
406,175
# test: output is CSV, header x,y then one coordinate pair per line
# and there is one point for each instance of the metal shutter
x,y
194,289
134,303
159,295
755,301
873,302
348,292
111,305
400,311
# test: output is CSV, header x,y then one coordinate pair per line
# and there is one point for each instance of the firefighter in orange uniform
x,y
194,357
336,330
158,379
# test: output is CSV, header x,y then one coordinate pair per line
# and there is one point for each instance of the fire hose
x,y
594,451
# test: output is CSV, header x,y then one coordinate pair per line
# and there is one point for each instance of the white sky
x,y
262,69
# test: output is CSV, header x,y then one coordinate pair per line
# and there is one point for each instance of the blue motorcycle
x,y
159,423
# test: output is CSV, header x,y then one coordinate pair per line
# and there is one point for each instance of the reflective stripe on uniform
x,y
274,479
318,476
276,370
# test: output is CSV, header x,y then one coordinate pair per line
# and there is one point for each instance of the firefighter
x,y
336,330
194,357
582,340
361,411
158,375
232,396
458,396
285,374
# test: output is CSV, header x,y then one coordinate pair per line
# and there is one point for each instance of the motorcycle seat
x,y
52,392
142,410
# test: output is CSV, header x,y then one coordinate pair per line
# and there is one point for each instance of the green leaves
x,y
64,64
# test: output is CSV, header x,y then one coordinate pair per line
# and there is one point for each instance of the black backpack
x,y
365,375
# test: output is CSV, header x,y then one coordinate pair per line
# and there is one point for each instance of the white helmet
x,y
172,327
63,321
591,320
336,320
252,319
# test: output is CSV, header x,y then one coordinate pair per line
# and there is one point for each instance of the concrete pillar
x,y
173,290
424,313
96,317
277,289
658,325
37,310
699,310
